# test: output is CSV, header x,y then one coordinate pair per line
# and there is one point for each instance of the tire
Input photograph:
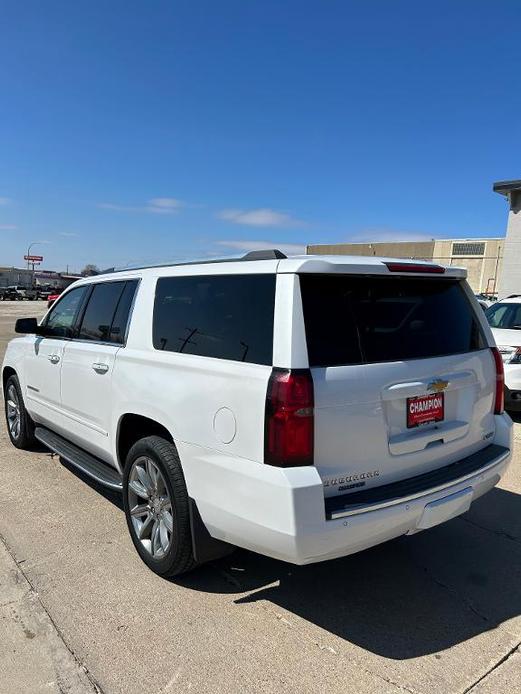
x,y
20,426
166,553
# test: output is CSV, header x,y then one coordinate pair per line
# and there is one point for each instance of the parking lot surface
x,y
439,611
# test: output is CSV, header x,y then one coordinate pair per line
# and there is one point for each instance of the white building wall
x,y
510,276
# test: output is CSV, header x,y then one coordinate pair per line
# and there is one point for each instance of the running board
x,y
87,463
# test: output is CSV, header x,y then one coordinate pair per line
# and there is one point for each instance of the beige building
x,y
481,257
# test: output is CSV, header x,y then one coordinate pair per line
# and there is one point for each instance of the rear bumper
x,y
282,513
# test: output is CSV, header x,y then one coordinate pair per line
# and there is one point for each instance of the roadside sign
x,y
34,258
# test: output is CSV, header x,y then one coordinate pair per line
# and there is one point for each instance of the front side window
x,y
221,316
105,318
61,319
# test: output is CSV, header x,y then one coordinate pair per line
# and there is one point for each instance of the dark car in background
x,y
11,294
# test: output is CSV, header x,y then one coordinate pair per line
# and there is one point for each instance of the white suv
x,y
305,408
504,318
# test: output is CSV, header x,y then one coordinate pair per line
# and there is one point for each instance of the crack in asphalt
x,y
450,589
499,533
468,604
471,607
500,662
96,687
329,649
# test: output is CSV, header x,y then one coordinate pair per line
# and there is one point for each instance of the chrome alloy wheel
x,y
150,507
14,416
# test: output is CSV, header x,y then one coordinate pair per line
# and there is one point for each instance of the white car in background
x,y
504,318
483,301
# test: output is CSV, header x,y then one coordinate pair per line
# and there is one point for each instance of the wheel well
x,y
133,427
7,373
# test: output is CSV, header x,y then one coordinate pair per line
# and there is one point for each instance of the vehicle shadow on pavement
x,y
403,599
112,496
407,598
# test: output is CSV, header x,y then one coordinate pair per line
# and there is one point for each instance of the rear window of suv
x,y
355,320
221,316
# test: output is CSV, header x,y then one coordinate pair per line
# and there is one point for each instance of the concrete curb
x,y
34,657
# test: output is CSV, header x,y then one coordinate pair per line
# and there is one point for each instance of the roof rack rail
x,y
270,254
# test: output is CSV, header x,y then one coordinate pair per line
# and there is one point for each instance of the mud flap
x,y
204,546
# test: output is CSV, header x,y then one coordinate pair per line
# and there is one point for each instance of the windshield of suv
x,y
355,320
505,316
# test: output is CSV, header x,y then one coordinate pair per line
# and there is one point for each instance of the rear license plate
x,y
424,409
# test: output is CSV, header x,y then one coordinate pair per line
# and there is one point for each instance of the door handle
x,y
100,368
54,358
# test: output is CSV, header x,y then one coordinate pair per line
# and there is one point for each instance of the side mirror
x,y
28,326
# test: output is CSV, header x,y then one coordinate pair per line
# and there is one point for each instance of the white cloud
x,y
68,234
7,227
164,205
154,205
248,245
261,217
5,201
383,234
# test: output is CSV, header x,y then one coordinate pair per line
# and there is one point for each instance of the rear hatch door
x,y
404,380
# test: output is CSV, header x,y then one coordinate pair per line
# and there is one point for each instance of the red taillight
x,y
499,402
415,267
290,422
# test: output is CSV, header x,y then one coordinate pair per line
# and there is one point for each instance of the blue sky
x,y
138,132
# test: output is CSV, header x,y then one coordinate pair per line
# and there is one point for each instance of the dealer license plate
x,y
424,409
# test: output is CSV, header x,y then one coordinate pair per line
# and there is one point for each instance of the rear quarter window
x,y
353,320
221,316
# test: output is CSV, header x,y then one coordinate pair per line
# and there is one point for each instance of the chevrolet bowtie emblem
x,y
438,385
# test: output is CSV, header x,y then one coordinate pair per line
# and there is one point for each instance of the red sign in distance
x,y
34,258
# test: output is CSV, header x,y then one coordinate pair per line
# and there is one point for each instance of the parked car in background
x,y
45,292
304,408
51,298
485,300
20,292
11,294
504,318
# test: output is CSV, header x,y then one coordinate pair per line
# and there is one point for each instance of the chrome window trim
x,y
103,343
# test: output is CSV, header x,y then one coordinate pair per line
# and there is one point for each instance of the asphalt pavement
x,y
439,611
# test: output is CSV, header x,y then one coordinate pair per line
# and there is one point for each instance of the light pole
x,y
34,243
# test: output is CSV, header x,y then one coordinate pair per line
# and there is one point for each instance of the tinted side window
x,y
101,307
228,317
120,321
507,316
497,315
62,316
353,319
